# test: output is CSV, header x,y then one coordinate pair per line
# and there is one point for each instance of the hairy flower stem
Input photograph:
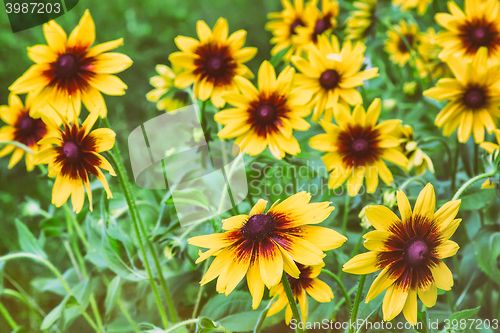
x,y
357,300
454,168
341,285
291,301
471,181
345,217
140,231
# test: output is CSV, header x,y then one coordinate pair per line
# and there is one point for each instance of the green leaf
x,y
487,251
240,322
465,314
27,241
111,294
478,199
54,315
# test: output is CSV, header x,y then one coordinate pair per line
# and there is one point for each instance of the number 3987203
x,y
33,8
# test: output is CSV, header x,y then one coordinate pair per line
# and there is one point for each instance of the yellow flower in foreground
x,y
307,283
20,127
331,74
261,245
73,156
409,252
357,148
473,97
318,22
212,62
283,25
166,96
362,19
466,32
70,70
401,40
420,5
490,147
417,158
267,116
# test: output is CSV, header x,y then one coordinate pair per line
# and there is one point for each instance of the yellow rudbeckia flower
x,y
362,19
409,251
402,39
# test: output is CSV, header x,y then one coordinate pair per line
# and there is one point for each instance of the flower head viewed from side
x,y
362,20
262,245
69,70
465,32
428,62
357,148
307,283
409,250
417,158
267,116
490,147
212,62
73,155
283,25
401,40
164,94
473,97
22,128
331,74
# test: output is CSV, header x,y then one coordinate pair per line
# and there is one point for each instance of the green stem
x,y
291,301
262,317
18,145
181,324
345,217
476,159
140,231
471,181
340,284
454,168
357,300
8,318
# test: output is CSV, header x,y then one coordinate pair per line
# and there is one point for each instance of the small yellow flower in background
x,y
409,251
69,70
464,33
20,127
267,116
428,62
362,19
262,245
318,23
307,283
330,75
473,97
73,157
420,5
283,25
357,148
417,158
490,147
212,62
401,40
166,96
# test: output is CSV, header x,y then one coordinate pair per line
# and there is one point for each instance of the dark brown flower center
x,y
322,24
29,130
358,145
266,113
296,23
304,280
329,79
66,66
71,71
71,150
478,33
215,63
417,252
404,42
259,227
475,97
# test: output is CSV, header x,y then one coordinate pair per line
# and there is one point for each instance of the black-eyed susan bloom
x,y
417,158
306,284
402,39
212,62
166,96
419,5
428,62
465,32
283,26
473,97
318,22
330,75
20,127
262,245
69,70
73,154
358,146
267,116
409,251
361,20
